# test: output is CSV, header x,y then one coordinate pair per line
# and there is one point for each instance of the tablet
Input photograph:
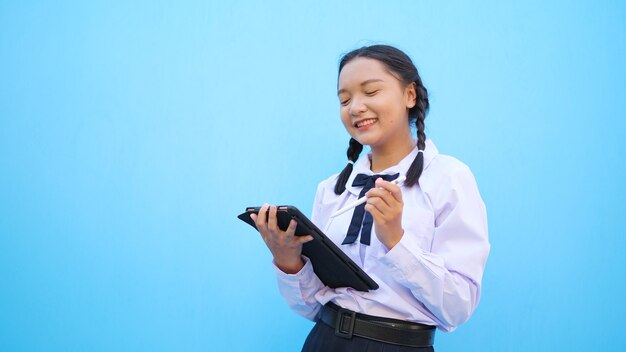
x,y
330,263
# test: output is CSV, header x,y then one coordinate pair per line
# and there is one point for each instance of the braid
x,y
420,111
354,150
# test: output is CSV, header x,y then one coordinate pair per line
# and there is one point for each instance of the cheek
x,y
395,112
383,104
345,117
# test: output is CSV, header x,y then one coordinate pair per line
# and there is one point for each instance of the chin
x,y
367,141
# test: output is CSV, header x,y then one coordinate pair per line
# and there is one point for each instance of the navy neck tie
x,y
360,216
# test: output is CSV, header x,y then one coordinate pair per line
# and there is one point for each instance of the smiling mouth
x,y
364,123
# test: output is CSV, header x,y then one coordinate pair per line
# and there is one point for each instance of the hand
x,y
384,202
284,245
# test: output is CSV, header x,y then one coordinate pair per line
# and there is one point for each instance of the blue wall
x,y
132,133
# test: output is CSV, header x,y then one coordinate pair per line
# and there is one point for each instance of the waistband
x,y
398,332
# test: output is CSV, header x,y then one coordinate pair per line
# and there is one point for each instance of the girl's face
x,y
374,103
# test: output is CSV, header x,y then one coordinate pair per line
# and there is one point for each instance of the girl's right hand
x,y
284,245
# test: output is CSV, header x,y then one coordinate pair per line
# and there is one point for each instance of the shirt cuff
x,y
306,274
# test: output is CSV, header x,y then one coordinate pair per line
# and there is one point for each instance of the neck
x,y
390,154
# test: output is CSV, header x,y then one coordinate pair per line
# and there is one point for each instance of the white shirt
x,y
432,275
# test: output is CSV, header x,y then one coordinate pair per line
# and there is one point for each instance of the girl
x,y
428,245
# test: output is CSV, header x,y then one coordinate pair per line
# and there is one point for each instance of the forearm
x,y
451,296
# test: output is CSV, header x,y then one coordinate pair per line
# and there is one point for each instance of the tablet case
x,y
330,263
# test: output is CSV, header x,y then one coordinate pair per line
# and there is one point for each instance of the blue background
x,y
133,133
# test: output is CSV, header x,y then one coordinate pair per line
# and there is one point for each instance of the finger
x,y
390,187
379,204
262,217
391,200
382,194
304,239
291,230
271,223
376,214
254,218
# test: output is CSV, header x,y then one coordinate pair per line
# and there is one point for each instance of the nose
x,y
357,107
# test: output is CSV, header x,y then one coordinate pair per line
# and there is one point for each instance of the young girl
x,y
423,241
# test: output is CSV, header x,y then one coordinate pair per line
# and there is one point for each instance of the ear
x,y
410,95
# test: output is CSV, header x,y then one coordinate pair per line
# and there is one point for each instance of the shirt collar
x,y
363,165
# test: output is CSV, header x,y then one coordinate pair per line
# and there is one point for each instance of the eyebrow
x,y
362,84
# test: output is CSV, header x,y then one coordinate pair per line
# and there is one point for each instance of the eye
x,y
344,102
373,92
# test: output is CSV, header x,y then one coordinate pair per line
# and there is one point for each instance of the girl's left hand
x,y
384,202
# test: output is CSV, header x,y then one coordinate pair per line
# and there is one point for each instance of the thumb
x,y
305,239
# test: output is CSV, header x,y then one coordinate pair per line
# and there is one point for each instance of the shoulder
x,y
324,196
446,165
328,185
444,173
451,188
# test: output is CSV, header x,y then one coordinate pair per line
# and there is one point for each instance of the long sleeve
x,y
433,274
299,289
447,279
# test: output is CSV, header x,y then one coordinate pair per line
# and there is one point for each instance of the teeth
x,y
365,122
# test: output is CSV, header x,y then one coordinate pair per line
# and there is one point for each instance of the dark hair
x,y
401,66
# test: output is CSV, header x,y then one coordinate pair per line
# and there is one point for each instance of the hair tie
x,y
420,151
350,162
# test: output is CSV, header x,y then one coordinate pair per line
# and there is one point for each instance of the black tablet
x,y
330,263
